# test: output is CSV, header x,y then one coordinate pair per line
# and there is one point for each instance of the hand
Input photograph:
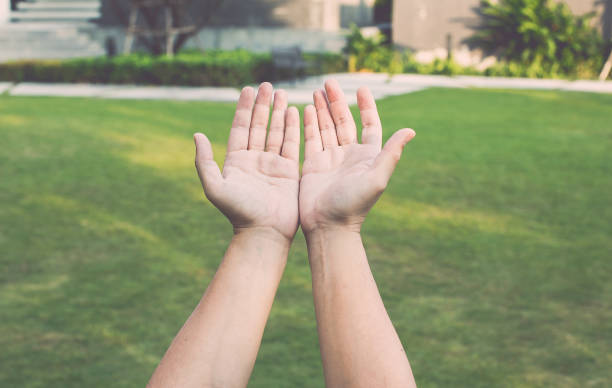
x,y
258,189
342,179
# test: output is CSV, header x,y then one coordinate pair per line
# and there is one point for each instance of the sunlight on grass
x,y
55,201
164,153
23,291
105,225
426,216
13,120
116,337
147,114
490,247
167,155
543,95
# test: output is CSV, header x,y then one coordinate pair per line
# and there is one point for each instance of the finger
x,y
312,137
208,170
326,124
277,122
346,130
259,120
239,135
371,132
291,143
389,156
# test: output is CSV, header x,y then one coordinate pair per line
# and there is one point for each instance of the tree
x,y
187,18
538,33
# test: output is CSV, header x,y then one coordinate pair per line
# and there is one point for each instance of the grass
x,y
492,246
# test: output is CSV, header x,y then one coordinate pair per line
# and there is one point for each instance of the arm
x,y
341,181
257,191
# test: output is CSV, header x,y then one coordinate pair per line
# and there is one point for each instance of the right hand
x,y
342,179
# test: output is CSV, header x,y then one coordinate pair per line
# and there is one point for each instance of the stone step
x,y
52,53
53,16
34,34
51,29
55,47
31,56
61,6
45,25
51,44
64,1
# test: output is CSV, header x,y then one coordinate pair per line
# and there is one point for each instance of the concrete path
x,y
300,92
4,86
126,92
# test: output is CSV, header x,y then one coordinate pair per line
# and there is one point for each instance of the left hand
x,y
258,189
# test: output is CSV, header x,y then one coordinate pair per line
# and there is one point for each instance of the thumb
x,y
385,162
208,170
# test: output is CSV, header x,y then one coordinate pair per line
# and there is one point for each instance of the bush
x,y
370,53
438,66
538,38
192,68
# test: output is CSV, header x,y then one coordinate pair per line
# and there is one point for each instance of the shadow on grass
x,y
487,246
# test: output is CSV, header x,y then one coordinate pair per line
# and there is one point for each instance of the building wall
x,y
5,6
325,15
260,25
423,25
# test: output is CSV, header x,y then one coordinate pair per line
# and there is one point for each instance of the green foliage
x,y
539,38
438,66
370,53
189,68
491,245
324,63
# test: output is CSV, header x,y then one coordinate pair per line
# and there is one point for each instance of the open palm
x,y
260,180
342,179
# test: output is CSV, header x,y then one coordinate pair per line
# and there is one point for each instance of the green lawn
x,y
492,246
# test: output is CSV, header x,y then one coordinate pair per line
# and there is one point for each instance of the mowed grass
x,y
492,246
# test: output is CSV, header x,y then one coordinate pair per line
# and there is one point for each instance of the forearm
x,y
359,345
218,344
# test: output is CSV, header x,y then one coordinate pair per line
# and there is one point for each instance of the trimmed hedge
x,y
238,68
211,68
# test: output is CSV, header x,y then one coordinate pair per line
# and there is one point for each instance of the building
x,y
428,26
49,29
69,28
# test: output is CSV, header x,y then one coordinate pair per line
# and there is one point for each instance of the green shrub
x,y
325,63
538,38
442,67
370,53
192,68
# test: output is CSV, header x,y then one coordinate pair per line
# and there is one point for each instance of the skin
x,y
341,181
262,195
257,191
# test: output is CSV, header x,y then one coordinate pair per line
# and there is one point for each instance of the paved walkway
x,y
301,92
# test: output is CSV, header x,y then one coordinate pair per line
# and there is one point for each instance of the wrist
x,y
332,232
327,245
261,249
262,233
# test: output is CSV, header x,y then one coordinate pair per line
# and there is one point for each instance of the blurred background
x,y
491,247
511,38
